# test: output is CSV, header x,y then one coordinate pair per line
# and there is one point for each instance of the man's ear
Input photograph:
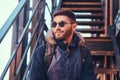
x,y
74,26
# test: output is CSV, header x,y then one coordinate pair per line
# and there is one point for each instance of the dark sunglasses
x,y
61,24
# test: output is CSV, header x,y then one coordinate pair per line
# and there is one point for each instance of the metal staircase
x,y
88,13
90,16
93,18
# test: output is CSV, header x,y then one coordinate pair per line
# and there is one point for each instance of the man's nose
x,y
57,26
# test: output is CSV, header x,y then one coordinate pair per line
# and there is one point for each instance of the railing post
x,y
17,32
14,44
25,39
106,16
18,26
33,25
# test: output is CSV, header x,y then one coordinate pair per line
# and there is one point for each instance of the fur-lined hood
x,y
49,38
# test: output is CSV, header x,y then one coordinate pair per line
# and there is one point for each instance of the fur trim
x,y
49,38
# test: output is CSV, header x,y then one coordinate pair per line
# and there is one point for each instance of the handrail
x,y
49,10
25,53
115,46
113,29
11,19
40,34
58,6
19,41
7,26
117,21
55,7
27,69
5,29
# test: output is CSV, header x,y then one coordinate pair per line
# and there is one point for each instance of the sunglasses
x,y
61,24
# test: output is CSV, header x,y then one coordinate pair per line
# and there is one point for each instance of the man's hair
x,y
67,13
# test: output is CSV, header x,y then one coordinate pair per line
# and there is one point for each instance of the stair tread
x,y
93,9
106,71
99,39
92,16
90,30
102,53
92,23
99,43
82,0
82,3
83,9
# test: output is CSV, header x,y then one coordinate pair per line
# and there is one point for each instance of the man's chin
x,y
59,38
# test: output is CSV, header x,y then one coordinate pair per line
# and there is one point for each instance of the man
x,y
66,62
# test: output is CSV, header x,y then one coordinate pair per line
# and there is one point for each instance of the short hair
x,y
67,13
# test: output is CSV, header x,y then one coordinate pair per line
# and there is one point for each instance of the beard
x,y
63,34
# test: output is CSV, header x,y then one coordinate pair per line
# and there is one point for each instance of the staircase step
x,y
95,10
99,43
99,39
106,71
82,0
92,30
80,4
90,16
102,53
91,23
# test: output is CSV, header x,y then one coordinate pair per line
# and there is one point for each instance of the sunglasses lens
x,y
61,24
54,24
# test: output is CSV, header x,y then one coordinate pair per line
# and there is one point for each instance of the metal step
x,y
106,71
92,30
102,53
78,9
91,23
81,0
99,43
90,16
82,4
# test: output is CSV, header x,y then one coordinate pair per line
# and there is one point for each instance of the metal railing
x,y
54,8
38,29
6,27
11,19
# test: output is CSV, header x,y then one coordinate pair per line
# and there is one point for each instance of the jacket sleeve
x,y
87,71
37,68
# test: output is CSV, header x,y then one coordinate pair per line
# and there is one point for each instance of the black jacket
x,y
63,66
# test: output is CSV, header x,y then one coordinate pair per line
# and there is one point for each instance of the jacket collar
x,y
51,40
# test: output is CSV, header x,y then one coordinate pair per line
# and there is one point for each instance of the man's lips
x,y
59,32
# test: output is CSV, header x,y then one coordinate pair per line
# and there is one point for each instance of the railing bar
x,y
19,41
27,25
58,6
49,10
32,53
14,14
11,19
117,18
8,64
26,71
25,53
